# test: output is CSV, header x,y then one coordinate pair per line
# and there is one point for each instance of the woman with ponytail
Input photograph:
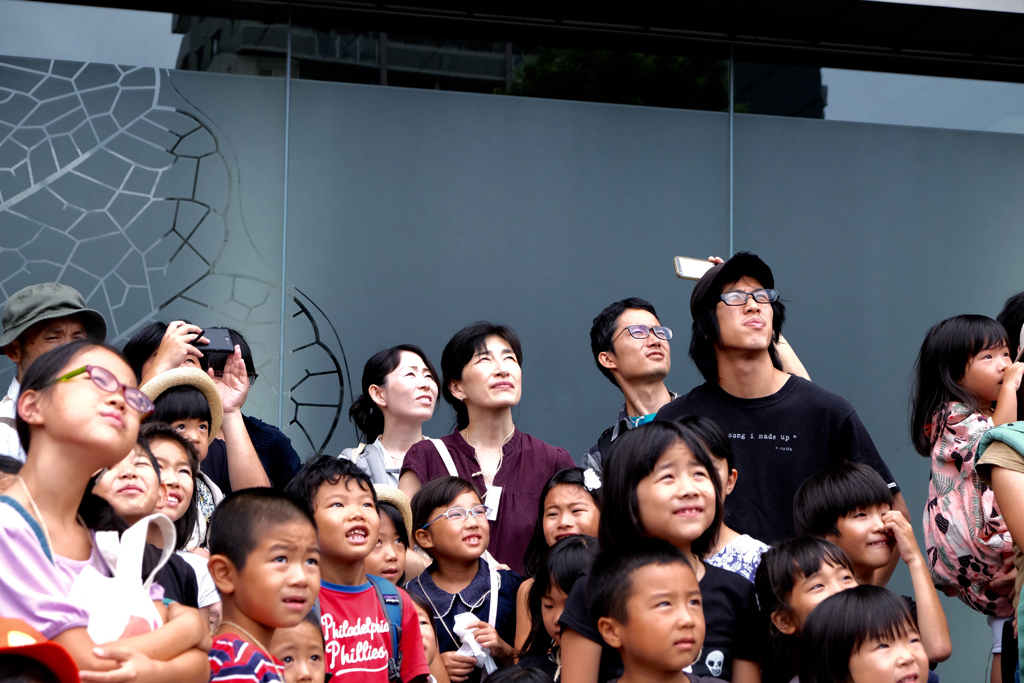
x,y
399,395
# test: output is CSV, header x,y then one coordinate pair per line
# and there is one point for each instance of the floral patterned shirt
x,y
741,555
969,550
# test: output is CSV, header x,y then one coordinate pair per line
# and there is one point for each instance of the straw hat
x,y
193,377
389,494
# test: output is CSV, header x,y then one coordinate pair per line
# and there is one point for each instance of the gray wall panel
x,y
875,233
413,213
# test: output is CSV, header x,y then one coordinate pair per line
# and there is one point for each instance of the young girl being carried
x,y
863,635
570,504
78,412
563,563
659,481
451,526
966,383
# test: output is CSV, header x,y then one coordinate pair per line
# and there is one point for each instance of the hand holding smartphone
x,y
692,268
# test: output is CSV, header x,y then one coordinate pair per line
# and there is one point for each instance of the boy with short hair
x,y
265,562
850,505
647,603
362,617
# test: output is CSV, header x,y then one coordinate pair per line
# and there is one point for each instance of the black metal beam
x,y
873,36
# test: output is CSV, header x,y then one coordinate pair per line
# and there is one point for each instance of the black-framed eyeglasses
x,y
106,381
644,331
736,297
461,514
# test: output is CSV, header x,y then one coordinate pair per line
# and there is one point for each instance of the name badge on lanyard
x,y
492,499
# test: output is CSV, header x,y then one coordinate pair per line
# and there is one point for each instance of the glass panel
x,y
467,65
156,193
908,100
413,213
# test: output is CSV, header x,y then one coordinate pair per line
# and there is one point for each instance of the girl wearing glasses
x,y
79,412
451,525
482,381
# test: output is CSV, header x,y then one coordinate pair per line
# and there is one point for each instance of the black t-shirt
x,y
179,581
730,624
272,447
779,441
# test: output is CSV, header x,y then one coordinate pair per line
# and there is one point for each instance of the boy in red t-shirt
x,y
357,631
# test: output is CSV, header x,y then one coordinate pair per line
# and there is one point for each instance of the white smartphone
x,y
692,268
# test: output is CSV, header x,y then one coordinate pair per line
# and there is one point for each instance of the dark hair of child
x,y
538,545
611,582
396,518
842,623
427,609
151,431
21,669
436,493
632,457
460,349
240,519
183,402
781,567
830,494
329,470
941,364
313,619
364,413
519,674
561,565
708,431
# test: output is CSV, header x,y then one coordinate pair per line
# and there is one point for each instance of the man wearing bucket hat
x,y
782,428
37,319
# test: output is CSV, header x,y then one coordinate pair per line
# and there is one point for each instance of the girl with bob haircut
x,y
965,383
399,395
795,575
78,412
863,635
482,369
660,482
570,504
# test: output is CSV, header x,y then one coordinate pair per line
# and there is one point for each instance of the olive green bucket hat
x,y
46,301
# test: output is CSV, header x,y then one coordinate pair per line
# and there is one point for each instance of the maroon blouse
x,y
526,466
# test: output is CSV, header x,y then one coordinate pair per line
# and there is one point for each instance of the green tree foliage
x,y
624,78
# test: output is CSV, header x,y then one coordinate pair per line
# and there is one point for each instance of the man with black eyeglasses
x,y
631,349
782,428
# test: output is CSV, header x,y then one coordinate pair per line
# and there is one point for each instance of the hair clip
x,y
590,480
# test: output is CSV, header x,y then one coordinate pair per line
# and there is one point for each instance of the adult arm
x,y
523,621
174,349
409,484
745,671
581,658
189,667
244,467
790,362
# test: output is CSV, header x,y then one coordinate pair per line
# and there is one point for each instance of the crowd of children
x,y
125,561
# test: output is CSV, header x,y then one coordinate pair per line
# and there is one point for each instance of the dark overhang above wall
x,y
855,34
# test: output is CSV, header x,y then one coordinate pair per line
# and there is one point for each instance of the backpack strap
x,y
445,456
604,444
391,602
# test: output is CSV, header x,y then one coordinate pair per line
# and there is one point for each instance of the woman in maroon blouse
x,y
482,381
